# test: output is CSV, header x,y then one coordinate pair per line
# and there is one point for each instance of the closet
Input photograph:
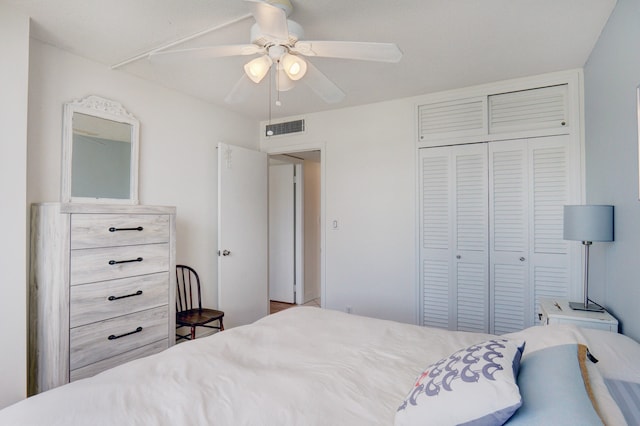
x,y
493,181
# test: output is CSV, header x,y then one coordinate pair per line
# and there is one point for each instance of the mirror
x,y
99,152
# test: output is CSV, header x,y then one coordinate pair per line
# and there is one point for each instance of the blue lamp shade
x,y
588,223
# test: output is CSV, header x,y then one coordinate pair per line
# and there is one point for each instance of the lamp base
x,y
580,306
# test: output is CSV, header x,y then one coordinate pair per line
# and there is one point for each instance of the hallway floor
x,y
280,306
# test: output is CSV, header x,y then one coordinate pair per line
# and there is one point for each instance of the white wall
x,y
369,161
178,137
612,74
14,64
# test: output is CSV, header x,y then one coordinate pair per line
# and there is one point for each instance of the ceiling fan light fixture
x,y
294,66
280,41
257,68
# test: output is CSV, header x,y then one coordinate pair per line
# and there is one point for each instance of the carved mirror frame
x,y
109,110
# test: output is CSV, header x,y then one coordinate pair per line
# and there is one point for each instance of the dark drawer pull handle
x,y
137,293
113,336
115,262
112,229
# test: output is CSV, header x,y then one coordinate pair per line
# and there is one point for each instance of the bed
x,y
312,366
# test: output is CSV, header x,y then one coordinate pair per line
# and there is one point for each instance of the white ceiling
x,y
446,43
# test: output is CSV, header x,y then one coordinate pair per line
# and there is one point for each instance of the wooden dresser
x,y
101,288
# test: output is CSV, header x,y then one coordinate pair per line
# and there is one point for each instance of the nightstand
x,y
557,311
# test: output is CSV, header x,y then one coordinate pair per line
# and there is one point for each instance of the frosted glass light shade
x,y
294,66
588,223
258,68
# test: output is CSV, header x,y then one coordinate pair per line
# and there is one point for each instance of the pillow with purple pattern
x,y
474,386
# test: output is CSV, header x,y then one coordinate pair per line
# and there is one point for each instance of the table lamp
x,y
588,223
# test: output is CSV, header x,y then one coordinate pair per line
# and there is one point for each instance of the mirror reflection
x,y
101,161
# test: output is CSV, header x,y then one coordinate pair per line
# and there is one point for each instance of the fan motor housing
x,y
295,34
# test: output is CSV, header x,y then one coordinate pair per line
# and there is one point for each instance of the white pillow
x,y
474,386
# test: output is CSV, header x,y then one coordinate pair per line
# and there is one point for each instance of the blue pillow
x,y
553,390
627,396
474,386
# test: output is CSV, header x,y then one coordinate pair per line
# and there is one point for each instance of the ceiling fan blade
x,y
271,20
364,51
321,85
240,91
211,51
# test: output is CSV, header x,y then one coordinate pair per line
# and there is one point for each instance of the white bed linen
x,y
302,366
618,355
619,362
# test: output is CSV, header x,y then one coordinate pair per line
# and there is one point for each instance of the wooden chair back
x,y
188,295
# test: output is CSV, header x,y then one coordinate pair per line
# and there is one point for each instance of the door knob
x,y
522,259
458,257
226,252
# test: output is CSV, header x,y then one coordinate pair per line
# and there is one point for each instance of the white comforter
x,y
302,366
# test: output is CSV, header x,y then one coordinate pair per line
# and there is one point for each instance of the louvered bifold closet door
x,y
530,182
471,238
436,235
454,249
553,184
509,235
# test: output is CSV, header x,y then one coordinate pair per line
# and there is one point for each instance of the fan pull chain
x,y
278,74
270,132
270,92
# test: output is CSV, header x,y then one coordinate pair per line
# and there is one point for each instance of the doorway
x,y
295,234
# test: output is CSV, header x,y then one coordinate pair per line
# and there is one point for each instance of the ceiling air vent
x,y
284,128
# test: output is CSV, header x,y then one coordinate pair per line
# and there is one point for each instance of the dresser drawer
x,y
105,364
102,264
99,341
107,230
107,299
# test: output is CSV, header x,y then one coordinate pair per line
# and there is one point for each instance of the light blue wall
x,y
612,74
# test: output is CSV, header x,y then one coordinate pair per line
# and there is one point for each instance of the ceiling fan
x,y
279,43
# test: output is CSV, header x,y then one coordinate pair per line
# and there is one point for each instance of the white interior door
x,y
282,215
242,234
